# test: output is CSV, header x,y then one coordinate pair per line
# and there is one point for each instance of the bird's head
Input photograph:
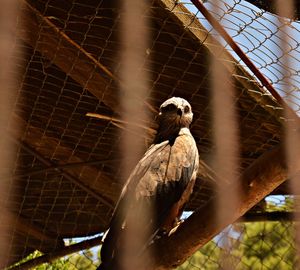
x,y
177,109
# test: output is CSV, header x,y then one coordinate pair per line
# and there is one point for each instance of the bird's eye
x,y
186,109
169,108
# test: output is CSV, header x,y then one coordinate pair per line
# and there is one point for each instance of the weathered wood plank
x,y
42,35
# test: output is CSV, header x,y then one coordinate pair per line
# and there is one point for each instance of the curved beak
x,y
179,112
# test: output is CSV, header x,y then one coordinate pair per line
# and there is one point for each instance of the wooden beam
x,y
42,35
67,175
259,180
95,182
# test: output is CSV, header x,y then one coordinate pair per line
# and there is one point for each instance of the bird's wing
x,y
140,171
125,203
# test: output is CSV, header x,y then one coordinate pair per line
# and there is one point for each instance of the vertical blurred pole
x,y
8,21
134,40
285,9
226,142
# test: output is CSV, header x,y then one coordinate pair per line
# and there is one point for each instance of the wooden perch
x,y
259,180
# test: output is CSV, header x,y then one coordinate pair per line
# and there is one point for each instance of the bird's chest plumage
x,y
167,166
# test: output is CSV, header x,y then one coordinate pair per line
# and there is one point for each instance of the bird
x,y
153,198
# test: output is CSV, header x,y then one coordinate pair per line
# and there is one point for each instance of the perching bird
x,y
154,196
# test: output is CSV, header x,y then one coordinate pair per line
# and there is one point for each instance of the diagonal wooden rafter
x,y
67,175
42,35
94,182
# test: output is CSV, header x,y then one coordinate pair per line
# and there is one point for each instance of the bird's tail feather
x,y
110,248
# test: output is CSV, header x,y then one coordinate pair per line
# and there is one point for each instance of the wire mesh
x,y
255,243
71,67
260,33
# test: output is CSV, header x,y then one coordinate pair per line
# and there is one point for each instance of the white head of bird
x,y
178,107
